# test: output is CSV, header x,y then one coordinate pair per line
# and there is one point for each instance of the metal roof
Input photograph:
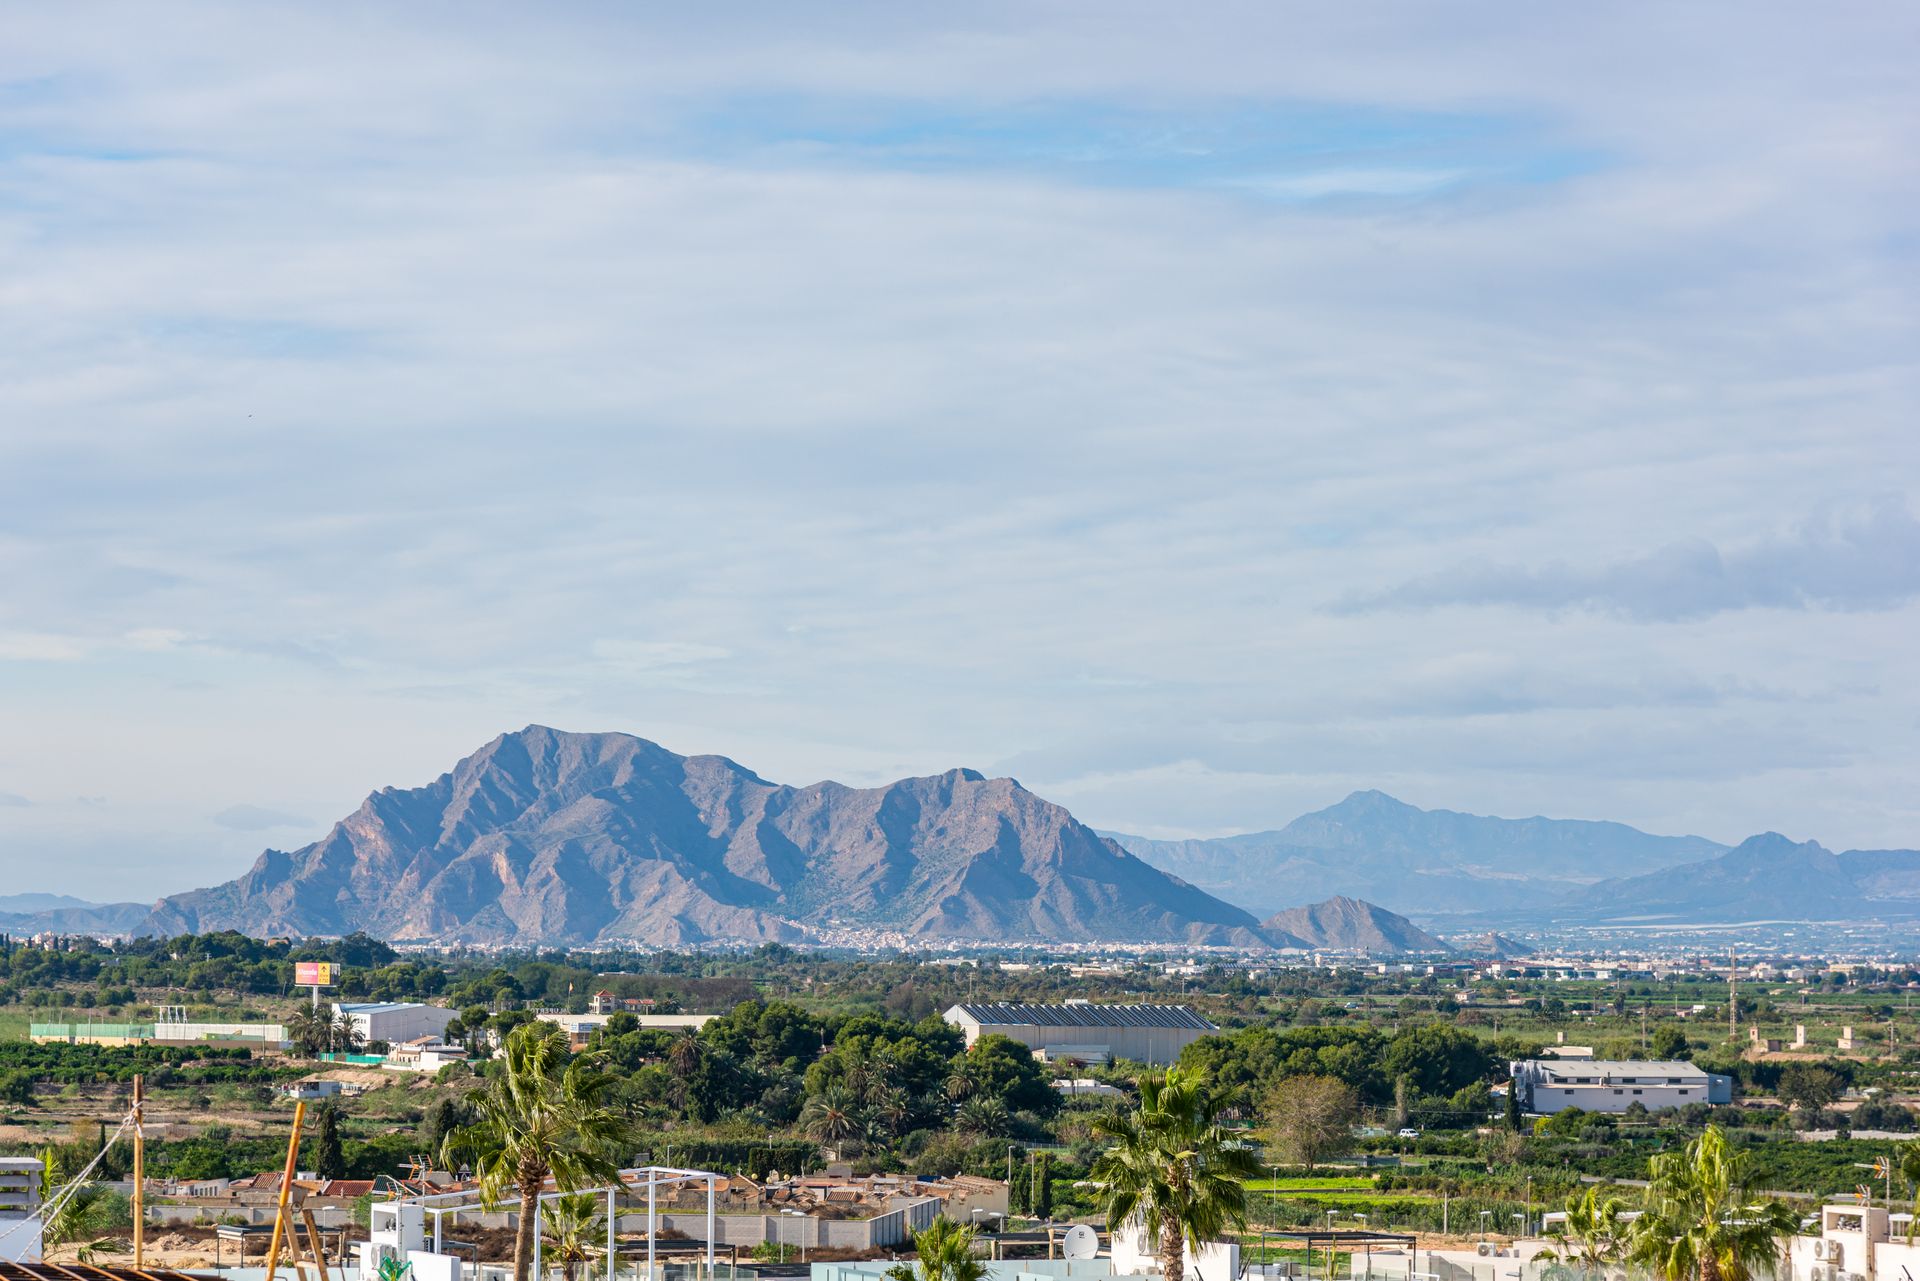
x,y
10,1271
1620,1067
1007,1014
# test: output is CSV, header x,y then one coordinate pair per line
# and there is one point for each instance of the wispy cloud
x,y
256,818
1845,560
886,387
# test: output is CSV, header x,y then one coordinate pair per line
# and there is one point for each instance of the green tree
x,y
541,1114
1514,1120
1595,1231
1700,1222
943,1251
572,1230
1669,1042
833,1117
1004,1069
1909,1162
329,1156
1810,1088
1171,1170
1043,1186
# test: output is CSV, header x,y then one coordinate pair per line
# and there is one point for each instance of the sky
x,y
1198,412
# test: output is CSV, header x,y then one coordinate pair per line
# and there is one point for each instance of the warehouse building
x,y
397,1021
1084,1032
1614,1085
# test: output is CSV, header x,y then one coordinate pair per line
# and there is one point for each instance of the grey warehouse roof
x,y
1006,1014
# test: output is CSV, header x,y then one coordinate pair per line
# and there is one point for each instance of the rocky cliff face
x,y
550,838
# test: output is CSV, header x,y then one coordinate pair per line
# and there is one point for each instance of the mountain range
x,y
550,839
1413,860
555,839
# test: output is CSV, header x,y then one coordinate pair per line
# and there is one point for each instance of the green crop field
x,y
1332,1183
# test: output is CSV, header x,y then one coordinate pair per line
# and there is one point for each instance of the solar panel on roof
x,y
1014,1014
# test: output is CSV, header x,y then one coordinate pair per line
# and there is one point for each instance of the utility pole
x,y
139,1174
1733,996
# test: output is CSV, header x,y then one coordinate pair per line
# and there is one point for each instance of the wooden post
x,y
314,1243
139,1174
280,1215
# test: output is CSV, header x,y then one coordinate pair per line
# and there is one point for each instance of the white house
x,y
1614,1085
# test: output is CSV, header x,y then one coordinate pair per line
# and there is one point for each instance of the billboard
x,y
315,973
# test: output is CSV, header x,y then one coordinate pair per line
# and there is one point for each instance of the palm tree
x,y
960,1083
542,1114
1909,1161
86,1217
344,1035
833,1116
309,1031
982,1115
943,1251
1596,1232
1171,1170
1700,1223
572,1230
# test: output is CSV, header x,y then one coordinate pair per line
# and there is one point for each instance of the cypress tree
x,y
329,1157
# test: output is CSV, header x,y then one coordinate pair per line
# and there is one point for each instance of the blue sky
x,y
1198,414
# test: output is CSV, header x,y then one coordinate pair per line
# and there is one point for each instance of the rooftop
x,y
1007,1014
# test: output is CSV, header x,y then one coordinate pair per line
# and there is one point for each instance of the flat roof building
x,y
1614,1085
397,1021
1083,1031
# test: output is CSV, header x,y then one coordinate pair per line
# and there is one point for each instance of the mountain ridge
x,y
549,838
1373,846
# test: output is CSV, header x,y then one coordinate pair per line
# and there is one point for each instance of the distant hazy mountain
x,y
1350,925
549,838
1764,878
1408,859
1493,944
64,914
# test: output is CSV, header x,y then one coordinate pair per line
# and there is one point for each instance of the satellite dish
x,y
1081,1242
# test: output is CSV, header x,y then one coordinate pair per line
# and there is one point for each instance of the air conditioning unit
x,y
1820,1250
1487,1249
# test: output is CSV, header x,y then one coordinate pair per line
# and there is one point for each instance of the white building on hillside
x,y
1614,1085
397,1021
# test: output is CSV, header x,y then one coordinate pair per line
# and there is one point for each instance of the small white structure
x,y
1863,1241
19,1204
1215,1261
1614,1085
397,1021
424,1054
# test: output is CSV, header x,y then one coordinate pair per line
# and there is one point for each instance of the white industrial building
x,y
1614,1085
397,1021
1085,1032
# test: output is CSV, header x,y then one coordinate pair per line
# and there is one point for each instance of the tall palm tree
x,y
1596,1232
573,1231
309,1031
1171,1170
943,1251
1701,1224
344,1035
542,1114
